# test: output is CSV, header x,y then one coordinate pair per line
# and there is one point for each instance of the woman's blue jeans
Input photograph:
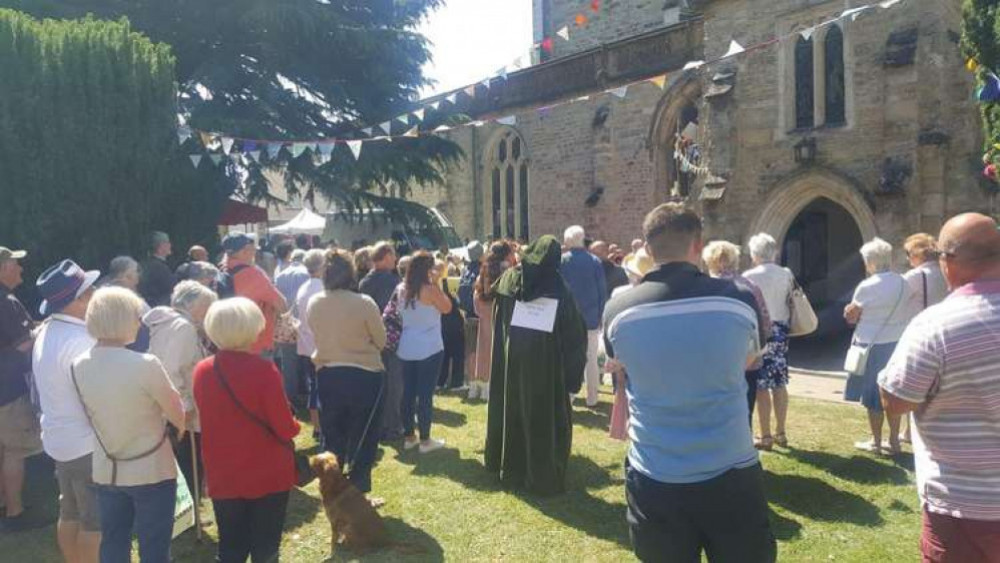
x,y
419,379
148,510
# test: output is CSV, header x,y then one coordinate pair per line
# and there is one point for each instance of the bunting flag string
x,y
256,148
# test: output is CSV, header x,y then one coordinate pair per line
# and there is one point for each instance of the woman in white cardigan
x,y
176,340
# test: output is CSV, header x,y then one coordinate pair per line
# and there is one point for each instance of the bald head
x,y
970,248
600,249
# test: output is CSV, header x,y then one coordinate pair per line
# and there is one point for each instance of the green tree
x,y
288,69
981,44
88,159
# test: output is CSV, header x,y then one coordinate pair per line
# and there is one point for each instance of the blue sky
x,y
473,38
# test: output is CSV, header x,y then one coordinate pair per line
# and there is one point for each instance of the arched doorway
x,y
820,220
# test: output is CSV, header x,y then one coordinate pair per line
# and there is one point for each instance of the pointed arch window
x,y
508,165
804,83
835,97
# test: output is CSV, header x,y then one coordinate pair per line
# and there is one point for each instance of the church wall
x,y
889,109
616,19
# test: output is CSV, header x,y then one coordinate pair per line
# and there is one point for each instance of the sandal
x,y
868,446
781,440
765,443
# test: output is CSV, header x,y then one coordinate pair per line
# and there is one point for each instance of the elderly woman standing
x,y
776,284
882,306
128,398
175,338
722,259
925,277
315,263
249,471
349,336
421,348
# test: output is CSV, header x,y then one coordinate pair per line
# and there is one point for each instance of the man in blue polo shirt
x,y
693,479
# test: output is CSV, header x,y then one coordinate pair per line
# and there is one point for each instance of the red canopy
x,y
239,213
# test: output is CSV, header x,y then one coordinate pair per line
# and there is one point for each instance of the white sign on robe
x,y
539,314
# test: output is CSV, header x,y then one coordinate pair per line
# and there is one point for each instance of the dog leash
x,y
364,434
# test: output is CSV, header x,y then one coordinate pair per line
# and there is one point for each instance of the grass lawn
x,y
828,502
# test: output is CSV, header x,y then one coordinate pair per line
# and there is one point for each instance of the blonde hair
x,y
922,245
234,324
721,257
113,314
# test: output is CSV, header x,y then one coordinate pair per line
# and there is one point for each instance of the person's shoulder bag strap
x,y
923,275
114,460
257,420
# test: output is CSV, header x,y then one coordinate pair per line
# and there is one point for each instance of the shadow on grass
x,y
598,417
450,419
302,510
784,529
859,469
817,500
412,544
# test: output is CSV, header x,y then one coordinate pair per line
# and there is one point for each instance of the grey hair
x,y
721,257
314,261
198,271
189,293
877,255
120,266
298,255
763,248
573,237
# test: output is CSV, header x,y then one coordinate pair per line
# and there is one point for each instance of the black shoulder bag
x,y
303,472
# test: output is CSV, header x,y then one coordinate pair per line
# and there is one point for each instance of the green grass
x,y
828,502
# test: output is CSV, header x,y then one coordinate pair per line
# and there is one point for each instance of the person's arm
x,y
913,373
602,286
373,321
275,404
437,297
163,392
854,309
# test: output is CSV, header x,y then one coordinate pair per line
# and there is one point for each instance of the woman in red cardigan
x,y
249,470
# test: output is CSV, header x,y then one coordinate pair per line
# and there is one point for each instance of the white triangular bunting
x,y
355,147
404,119
564,32
216,158
325,148
620,92
183,135
486,83
255,155
274,149
470,91
227,144
808,33
419,114
414,132
435,105
452,98
734,49
367,131
195,159
387,127
694,64
510,120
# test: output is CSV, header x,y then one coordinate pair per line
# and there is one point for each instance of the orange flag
x,y
581,20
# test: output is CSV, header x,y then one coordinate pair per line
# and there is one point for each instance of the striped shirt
x,y
948,360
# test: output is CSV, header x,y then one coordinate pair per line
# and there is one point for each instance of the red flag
x,y
595,5
547,44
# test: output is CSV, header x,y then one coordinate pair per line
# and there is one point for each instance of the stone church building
x,y
864,128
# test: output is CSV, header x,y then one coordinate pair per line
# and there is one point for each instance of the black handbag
x,y
303,471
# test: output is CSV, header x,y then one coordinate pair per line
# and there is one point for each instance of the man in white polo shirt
x,y
946,371
66,433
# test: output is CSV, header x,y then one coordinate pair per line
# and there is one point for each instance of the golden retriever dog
x,y
353,521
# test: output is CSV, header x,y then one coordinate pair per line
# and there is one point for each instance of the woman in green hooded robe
x,y
529,425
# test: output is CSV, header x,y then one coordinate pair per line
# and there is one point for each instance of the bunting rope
x,y
255,149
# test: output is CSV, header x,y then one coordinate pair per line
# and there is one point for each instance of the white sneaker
x,y
430,446
485,395
473,390
410,444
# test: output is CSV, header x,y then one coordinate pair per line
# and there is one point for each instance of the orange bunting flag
x,y
581,20
659,81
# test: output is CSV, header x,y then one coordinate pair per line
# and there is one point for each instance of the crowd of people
x,y
150,373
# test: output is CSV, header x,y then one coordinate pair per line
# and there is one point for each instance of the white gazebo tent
x,y
305,223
